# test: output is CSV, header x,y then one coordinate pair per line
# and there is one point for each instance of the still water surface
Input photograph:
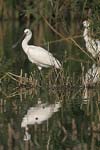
x,y
51,113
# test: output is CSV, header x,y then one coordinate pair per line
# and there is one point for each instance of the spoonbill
x,y
92,45
37,54
92,75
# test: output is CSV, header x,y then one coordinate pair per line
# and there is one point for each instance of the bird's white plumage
x,y
92,75
92,45
38,55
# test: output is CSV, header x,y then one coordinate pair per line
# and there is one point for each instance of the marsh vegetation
x,y
56,26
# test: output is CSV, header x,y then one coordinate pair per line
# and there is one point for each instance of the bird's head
x,y
27,32
86,23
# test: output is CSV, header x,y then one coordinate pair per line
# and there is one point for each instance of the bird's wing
x,y
98,43
40,55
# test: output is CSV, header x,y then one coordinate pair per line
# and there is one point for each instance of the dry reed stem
x,y
98,112
66,39
48,142
60,40
13,78
20,79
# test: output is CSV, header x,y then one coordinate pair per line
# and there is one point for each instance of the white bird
x,y
92,75
38,55
92,45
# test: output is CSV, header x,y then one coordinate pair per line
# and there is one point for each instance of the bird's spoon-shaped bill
x,y
20,39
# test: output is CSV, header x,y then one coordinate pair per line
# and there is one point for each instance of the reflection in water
x,y
39,113
27,136
70,128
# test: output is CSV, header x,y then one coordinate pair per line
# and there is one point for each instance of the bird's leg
x,y
39,67
41,79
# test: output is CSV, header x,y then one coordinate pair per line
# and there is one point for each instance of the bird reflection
x,y
39,113
27,136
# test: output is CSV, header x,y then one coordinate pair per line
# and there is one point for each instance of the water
x,y
44,111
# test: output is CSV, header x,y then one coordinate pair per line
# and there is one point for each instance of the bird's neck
x,y
86,33
25,43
